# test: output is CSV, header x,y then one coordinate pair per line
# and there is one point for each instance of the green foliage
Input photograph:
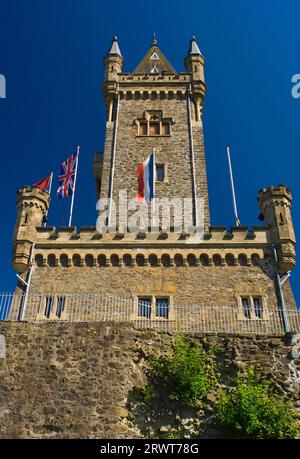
x,y
147,394
184,372
252,410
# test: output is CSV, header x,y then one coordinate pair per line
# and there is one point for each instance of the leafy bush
x,y
184,372
253,410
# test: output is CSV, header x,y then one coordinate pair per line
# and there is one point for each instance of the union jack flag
x,y
66,177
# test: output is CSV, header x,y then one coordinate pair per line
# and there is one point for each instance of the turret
x,y
113,63
32,207
194,64
275,204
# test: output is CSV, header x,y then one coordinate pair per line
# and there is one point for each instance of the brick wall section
x,y
76,380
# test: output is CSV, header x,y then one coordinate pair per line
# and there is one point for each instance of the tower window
x,y
257,307
144,307
61,301
154,129
48,306
246,308
165,128
160,172
162,307
143,129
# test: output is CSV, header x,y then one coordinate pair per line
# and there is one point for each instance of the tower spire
x,y
194,48
115,49
154,40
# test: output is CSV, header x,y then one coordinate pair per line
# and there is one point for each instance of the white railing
x,y
102,307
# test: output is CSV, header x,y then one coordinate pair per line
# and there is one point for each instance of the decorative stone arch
x,y
153,259
166,260
102,262
64,260
115,259
140,259
191,259
217,259
178,260
77,260
255,259
89,260
39,260
204,259
52,260
230,259
127,259
242,259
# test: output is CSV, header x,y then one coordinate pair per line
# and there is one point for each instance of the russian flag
x,y
145,174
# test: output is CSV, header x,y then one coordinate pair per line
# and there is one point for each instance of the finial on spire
x,y
154,41
194,48
115,47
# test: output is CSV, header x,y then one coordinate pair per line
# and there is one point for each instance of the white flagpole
x,y
232,189
154,177
50,188
73,194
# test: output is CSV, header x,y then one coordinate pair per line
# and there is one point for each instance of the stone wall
x,y
72,380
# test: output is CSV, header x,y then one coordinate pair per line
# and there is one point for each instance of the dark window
x,y
258,308
246,308
143,129
162,307
154,128
165,129
48,306
61,300
160,172
25,218
144,307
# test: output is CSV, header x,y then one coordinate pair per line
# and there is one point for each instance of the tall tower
x,y
154,107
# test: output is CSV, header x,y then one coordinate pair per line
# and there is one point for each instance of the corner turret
x,y
32,207
275,204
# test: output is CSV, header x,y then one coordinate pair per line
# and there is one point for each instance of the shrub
x,y
252,410
184,372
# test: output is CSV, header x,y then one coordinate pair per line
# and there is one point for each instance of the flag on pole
x,y
145,175
45,183
66,177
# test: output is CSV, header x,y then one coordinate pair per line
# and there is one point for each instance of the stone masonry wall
x,y
72,380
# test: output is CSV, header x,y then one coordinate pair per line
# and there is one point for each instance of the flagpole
x,y
50,188
154,174
233,189
73,194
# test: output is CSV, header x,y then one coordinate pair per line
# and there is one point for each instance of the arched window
x,y
217,260
204,260
64,261
242,259
255,258
178,259
140,260
127,260
89,260
165,259
76,260
51,260
153,260
191,259
39,260
114,259
102,260
229,258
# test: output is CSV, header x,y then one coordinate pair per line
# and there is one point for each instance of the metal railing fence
x,y
103,307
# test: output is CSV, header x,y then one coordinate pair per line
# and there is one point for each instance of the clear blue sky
x,y
51,54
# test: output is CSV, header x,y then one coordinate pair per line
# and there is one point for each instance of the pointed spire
x,y
154,40
115,47
194,48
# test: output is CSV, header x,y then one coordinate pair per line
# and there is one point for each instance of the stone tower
x,y
222,270
154,107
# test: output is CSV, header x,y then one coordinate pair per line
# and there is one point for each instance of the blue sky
x,y
51,54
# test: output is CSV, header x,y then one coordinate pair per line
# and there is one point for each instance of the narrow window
x,y
165,129
258,310
48,306
144,307
162,307
246,308
154,128
143,129
281,218
25,219
160,172
61,300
